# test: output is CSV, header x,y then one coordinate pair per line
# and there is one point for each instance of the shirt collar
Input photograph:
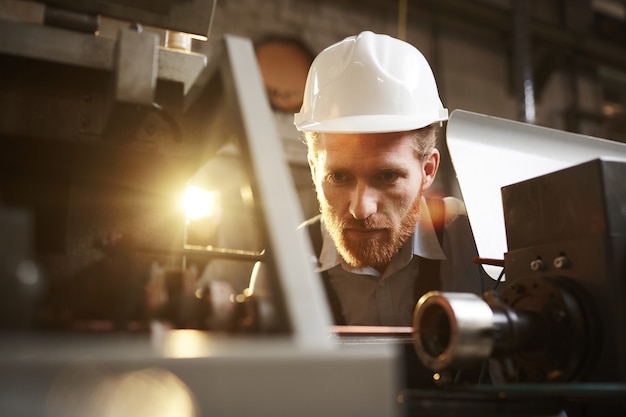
x,y
424,241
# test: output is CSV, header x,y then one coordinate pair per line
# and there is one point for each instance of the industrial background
x,y
555,63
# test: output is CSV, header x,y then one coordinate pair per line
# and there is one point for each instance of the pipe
x,y
523,68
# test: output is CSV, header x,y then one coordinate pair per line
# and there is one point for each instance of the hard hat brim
x,y
370,123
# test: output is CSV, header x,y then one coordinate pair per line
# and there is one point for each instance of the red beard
x,y
376,252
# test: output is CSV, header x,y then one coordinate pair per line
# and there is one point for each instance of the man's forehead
x,y
367,159
367,145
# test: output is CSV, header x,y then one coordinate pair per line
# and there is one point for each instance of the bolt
x,y
561,262
537,264
136,26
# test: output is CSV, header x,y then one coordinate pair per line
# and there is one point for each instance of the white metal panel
x,y
489,153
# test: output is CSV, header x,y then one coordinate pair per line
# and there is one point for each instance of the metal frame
x,y
301,288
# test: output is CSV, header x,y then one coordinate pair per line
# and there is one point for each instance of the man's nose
x,y
363,201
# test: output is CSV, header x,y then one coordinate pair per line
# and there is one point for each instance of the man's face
x,y
369,187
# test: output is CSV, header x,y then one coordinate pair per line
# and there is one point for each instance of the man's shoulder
x,y
444,211
454,208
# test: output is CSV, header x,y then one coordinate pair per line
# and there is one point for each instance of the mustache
x,y
372,222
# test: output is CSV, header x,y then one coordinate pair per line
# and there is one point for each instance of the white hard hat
x,y
370,83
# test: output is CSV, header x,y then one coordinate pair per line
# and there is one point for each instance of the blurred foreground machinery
x,y
99,137
101,125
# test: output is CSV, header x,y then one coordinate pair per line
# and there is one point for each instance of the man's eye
x,y
337,177
388,176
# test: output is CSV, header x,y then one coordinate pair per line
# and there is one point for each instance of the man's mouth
x,y
362,233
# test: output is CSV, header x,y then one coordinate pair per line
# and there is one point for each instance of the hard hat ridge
x,y
369,83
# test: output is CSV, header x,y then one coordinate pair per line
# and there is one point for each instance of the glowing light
x,y
183,343
148,392
92,389
198,202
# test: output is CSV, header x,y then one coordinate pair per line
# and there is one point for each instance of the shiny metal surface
x,y
452,330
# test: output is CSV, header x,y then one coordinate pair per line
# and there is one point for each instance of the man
x,y
370,116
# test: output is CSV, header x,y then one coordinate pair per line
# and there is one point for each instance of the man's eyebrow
x,y
397,169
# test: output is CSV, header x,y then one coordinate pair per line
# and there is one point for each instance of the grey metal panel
x,y
190,16
88,51
56,45
136,76
64,375
302,290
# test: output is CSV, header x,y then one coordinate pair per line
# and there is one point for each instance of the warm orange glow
x,y
198,202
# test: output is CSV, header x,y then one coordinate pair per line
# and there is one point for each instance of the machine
x,y
99,136
555,326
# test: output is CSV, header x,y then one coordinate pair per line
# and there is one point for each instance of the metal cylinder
x,y
539,329
452,330
178,40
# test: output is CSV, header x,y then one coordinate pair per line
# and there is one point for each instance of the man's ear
x,y
430,165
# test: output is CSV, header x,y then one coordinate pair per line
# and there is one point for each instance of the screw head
x,y
537,265
561,262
